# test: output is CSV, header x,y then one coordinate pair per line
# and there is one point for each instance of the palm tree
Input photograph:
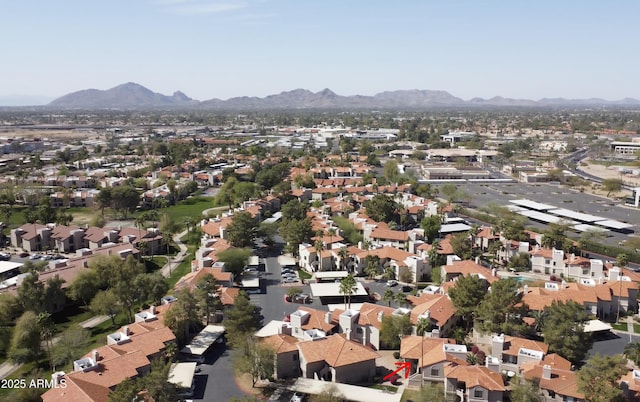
x,y
621,260
632,352
388,296
423,326
343,253
348,287
373,263
400,299
539,316
189,223
318,246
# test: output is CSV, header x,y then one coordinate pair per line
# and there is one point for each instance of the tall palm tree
x,y
388,296
348,287
318,246
343,253
423,326
621,261
400,299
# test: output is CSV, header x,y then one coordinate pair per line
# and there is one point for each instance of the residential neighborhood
x,y
308,261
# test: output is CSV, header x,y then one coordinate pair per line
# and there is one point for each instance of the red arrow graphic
x,y
406,366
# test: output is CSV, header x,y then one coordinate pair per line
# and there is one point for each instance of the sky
x,y
226,48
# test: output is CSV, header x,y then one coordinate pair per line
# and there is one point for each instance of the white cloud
x,y
199,7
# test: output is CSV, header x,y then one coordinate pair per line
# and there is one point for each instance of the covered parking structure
x,y
330,293
203,341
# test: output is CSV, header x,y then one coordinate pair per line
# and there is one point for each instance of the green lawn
x,y
182,269
304,274
636,328
410,395
192,207
155,263
620,326
389,388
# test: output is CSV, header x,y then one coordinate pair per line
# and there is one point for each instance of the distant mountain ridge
x,y
135,96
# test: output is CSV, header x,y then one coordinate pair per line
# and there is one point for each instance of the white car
x,y
392,283
290,280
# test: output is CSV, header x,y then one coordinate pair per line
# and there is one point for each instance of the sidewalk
x,y
172,263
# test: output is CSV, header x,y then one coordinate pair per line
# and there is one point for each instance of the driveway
x,y
215,381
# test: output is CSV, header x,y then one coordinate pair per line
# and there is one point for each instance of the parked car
x,y
289,276
392,283
298,397
34,257
287,271
302,298
289,280
251,269
5,257
23,254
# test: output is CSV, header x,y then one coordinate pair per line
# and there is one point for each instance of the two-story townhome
x,y
436,308
557,382
337,359
474,384
363,326
512,352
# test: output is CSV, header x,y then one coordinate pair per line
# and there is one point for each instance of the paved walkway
x,y
94,321
175,261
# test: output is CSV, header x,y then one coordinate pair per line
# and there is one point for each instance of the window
x,y
435,372
477,393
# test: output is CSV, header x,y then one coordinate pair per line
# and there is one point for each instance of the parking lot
x,y
501,193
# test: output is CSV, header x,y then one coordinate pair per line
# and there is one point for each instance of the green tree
x,y
31,293
387,296
150,287
520,262
391,328
436,275
296,232
524,391
107,303
235,260
423,326
25,342
84,286
400,299
611,186
47,329
241,232
462,246
431,226
105,197
205,294
390,171
501,310
372,267
632,352
71,343
124,200
599,378
182,317
382,208
563,330
348,287
258,362
466,296
242,321
405,275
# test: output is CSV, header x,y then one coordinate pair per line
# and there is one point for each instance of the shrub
x,y
396,355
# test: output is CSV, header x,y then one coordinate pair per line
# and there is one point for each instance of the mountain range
x,y
135,96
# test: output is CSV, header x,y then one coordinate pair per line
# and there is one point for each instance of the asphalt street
x,y
215,381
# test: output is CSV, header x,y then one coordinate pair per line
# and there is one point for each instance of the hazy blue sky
x,y
225,48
